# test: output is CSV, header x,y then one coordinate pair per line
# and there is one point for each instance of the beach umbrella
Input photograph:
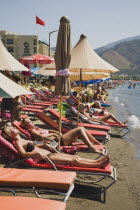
x,y
62,57
62,61
10,89
8,62
85,58
74,76
37,58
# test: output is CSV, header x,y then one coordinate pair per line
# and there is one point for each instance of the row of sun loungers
x,y
58,180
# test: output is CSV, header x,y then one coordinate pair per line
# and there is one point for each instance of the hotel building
x,y
23,45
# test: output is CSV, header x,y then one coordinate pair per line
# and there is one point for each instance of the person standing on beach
x,y
14,105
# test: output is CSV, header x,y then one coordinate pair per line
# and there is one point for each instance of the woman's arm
x,y
53,131
43,137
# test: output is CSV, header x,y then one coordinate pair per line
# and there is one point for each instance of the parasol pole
x,y
84,93
60,123
88,94
25,100
92,92
79,96
26,80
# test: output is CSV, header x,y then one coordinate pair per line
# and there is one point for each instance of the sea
x,y
126,101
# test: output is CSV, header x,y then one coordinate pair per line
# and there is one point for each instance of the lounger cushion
x,y
26,203
102,127
34,106
32,110
36,178
87,125
106,170
7,150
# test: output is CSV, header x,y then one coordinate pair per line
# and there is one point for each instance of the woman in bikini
x,y
102,119
66,139
38,152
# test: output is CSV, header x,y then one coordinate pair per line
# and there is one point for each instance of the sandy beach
x,y
124,194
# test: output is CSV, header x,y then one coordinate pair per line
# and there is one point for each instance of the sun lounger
x,y
56,114
47,93
42,97
37,180
26,109
122,129
75,147
39,95
26,203
96,175
35,106
102,135
31,101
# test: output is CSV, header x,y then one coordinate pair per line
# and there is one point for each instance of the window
x,y
35,50
35,42
10,49
10,41
26,51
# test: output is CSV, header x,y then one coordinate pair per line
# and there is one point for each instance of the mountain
x,y
124,56
116,59
113,44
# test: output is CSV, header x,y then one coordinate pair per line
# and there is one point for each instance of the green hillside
x,y
124,56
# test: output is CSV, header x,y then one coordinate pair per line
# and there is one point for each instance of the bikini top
x,y
45,131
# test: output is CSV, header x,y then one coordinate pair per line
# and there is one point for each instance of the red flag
x,y
39,21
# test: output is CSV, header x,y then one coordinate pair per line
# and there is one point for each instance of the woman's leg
x,y
60,158
91,138
3,114
110,116
80,132
18,112
102,98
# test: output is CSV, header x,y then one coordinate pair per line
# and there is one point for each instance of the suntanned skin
x,y
57,158
68,138
104,119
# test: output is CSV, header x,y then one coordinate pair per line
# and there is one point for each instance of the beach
x,y
124,194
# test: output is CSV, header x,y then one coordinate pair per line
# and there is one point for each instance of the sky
x,y
102,21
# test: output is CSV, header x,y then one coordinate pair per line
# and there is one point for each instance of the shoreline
x,y
125,193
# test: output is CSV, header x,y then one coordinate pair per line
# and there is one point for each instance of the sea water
x,y
126,102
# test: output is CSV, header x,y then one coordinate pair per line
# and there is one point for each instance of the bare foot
x,y
95,150
105,162
125,122
102,159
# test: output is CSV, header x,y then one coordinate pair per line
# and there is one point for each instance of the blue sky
x,y
102,21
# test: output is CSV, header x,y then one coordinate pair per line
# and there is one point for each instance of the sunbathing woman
x,y
102,119
42,154
66,140
90,109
